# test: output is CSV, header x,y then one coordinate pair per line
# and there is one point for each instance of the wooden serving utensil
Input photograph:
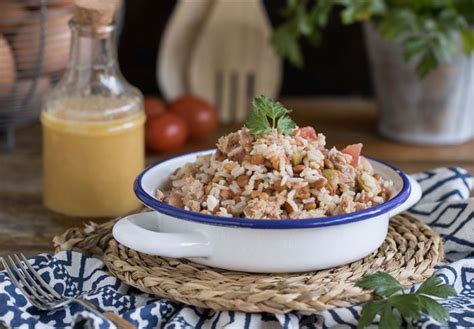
x,y
176,44
233,59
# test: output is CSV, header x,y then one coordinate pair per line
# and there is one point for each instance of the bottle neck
x,y
93,49
93,88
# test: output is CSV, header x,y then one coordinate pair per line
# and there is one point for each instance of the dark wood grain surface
x,y
26,226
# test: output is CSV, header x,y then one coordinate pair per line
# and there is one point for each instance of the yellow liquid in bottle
x,y
89,166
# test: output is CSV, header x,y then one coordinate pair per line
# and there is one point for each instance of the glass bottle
x,y
93,125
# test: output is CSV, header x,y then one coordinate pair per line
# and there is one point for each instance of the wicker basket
x,y
34,52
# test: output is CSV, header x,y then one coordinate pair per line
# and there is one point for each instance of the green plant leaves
x,y
286,43
407,304
434,286
286,125
267,115
395,304
395,23
468,40
369,311
320,12
428,30
383,284
360,10
257,123
389,319
301,22
427,63
412,46
433,309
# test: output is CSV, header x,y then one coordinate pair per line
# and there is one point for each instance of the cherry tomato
x,y
165,133
154,107
200,116
308,133
354,151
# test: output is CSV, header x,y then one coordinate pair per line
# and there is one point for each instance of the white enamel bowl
x,y
254,245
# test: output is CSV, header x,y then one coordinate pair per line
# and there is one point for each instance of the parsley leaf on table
x,y
369,311
394,304
434,286
434,309
408,305
389,319
267,115
383,284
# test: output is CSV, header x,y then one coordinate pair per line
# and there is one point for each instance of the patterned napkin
x,y
445,206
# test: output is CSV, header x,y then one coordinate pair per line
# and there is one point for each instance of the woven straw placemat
x,y
409,253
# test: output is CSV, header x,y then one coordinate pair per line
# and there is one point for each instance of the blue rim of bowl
x,y
162,207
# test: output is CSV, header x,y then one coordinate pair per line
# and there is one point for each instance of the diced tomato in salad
x,y
354,151
307,133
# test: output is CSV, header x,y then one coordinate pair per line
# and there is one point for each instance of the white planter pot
x,y
436,110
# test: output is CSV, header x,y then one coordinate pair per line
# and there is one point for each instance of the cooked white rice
x,y
276,176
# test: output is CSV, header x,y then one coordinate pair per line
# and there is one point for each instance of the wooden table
x,y
28,227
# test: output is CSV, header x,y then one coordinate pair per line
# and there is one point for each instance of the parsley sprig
x,y
394,303
267,115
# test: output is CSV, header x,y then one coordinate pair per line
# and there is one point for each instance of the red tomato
x,y
167,132
353,150
200,116
308,133
154,107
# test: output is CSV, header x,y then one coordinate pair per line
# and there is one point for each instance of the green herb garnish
x,y
395,303
267,115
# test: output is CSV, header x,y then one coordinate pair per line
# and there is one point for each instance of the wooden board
x,y
233,60
176,44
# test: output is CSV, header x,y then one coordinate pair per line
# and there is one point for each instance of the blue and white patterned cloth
x,y
445,206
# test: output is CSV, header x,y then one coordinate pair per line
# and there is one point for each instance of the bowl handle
x,y
413,198
138,232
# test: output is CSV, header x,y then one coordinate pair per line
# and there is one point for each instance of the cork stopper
x,y
94,13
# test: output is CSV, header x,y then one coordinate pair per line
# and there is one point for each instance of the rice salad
x,y
273,170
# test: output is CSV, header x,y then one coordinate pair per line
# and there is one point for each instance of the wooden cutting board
x,y
176,44
233,59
